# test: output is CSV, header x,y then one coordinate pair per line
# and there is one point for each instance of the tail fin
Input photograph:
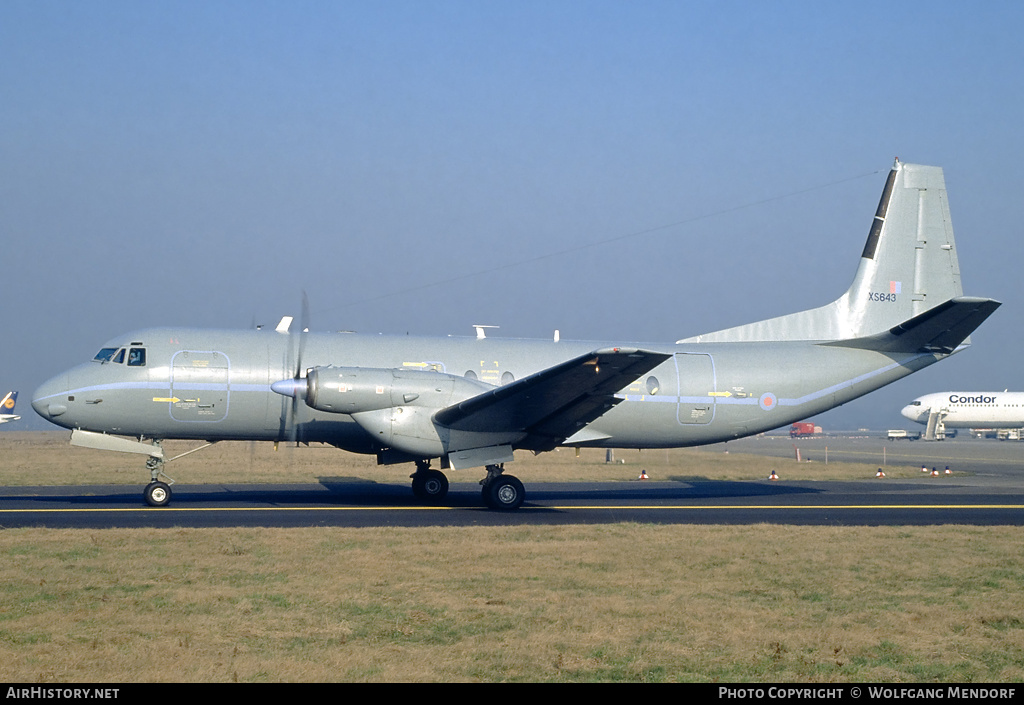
x,y
909,266
7,405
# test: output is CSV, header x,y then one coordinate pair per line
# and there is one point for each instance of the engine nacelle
x,y
396,407
354,390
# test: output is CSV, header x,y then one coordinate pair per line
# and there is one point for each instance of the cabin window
x,y
653,385
137,357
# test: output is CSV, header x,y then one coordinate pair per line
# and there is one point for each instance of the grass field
x,y
620,602
46,458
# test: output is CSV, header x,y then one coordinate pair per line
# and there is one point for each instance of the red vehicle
x,y
803,428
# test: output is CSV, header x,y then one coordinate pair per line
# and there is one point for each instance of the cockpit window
x,y
105,354
915,403
137,357
119,358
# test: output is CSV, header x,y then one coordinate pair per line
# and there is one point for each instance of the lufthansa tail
x,y
7,407
908,267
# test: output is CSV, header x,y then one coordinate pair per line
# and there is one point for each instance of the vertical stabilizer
x,y
908,266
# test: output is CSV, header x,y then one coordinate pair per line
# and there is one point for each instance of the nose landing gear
x,y
157,493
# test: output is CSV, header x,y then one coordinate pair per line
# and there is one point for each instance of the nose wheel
x,y
157,494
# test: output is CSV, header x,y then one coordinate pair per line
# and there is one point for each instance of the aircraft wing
x,y
553,404
941,329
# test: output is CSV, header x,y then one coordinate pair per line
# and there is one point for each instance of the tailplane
x,y
908,267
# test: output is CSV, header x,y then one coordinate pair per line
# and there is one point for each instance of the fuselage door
x,y
199,386
696,375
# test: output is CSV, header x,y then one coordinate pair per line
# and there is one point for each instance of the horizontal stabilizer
x,y
941,329
556,402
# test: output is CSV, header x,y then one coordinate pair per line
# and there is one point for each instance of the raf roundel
x,y
768,401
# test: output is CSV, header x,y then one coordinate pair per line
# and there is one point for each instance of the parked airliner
x,y
942,410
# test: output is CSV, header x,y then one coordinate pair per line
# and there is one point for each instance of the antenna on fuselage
x,y
481,330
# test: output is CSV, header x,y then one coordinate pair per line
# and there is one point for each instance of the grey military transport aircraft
x,y
471,402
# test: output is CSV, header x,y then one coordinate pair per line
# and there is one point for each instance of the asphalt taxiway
x,y
987,461
992,493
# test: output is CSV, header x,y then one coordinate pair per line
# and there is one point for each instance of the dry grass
x,y
608,603
618,602
46,458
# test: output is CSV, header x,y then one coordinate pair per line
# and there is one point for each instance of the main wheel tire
x,y
504,493
157,494
430,486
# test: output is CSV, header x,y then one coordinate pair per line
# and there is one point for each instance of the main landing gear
x,y
498,490
501,491
429,485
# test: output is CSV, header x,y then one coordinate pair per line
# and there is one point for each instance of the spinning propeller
x,y
294,387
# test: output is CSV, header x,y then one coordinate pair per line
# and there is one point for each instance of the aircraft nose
x,y
910,411
50,399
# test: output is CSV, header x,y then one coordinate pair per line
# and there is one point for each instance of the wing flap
x,y
554,402
941,329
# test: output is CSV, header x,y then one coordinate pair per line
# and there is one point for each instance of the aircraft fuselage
x,y
216,385
473,402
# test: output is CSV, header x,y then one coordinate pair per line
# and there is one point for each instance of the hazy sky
x,y
634,171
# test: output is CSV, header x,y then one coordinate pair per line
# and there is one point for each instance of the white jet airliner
x,y
943,410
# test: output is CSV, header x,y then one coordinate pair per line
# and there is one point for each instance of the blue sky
x,y
635,171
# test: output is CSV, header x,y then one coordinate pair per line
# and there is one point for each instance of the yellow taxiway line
x,y
678,507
